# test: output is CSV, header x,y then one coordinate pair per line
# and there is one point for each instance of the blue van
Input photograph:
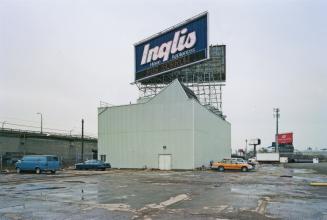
x,y
38,163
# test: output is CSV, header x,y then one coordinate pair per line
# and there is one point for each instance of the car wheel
x,y
244,169
221,169
103,169
18,170
53,171
37,170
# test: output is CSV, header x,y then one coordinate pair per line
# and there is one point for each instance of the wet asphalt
x,y
270,192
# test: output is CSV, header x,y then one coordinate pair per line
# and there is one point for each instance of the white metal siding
x,y
133,136
212,136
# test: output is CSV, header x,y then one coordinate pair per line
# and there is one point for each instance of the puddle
x,y
165,174
303,171
12,208
162,184
307,175
46,188
310,179
36,187
111,207
256,189
73,181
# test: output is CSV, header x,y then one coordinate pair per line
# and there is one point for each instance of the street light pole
x,y
82,140
246,147
39,113
3,124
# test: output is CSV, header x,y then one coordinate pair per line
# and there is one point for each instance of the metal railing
x,y
45,133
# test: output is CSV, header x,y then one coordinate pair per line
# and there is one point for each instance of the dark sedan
x,y
92,165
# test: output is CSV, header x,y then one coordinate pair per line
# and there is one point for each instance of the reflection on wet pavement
x,y
126,194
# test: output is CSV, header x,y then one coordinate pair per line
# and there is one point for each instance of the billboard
x,y
285,138
178,46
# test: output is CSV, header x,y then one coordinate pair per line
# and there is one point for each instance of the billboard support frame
x,y
171,70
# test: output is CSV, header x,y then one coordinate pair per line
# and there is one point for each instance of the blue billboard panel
x,y
179,46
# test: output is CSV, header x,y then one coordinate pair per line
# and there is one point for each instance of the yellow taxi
x,y
231,164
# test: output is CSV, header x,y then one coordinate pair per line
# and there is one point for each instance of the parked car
x,y
231,164
38,163
92,165
253,162
240,160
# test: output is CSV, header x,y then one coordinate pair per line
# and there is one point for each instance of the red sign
x,y
285,138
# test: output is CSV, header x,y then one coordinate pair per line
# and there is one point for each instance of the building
x,y
171,130
14,144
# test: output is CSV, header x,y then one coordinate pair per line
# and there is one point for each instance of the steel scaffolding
x,y
205,79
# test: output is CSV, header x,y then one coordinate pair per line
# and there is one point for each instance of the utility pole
x,y
276,115
246,148
39,113
82,140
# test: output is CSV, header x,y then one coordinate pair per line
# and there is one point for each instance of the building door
x,y
103,158
94,154
164,161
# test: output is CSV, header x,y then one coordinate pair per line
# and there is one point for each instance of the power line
x,y
19,120
31,126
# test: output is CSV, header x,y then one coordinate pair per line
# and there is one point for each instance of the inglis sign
x,y
179,46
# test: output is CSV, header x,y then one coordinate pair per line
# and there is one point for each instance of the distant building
x,y
312,152
282,148
16,143
171,130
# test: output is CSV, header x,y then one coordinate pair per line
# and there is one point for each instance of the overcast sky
x,y
62,58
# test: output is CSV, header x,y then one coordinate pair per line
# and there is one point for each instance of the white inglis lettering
x,y
164,50
180,42
153,54
145,52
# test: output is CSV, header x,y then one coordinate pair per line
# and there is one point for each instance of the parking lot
x,y
270,192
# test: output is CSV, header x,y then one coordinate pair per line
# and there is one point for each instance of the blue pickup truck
x,y
38,163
